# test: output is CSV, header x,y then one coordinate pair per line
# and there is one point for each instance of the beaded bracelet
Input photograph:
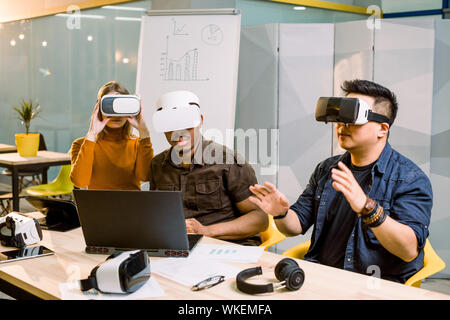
x,y
380,220
376,218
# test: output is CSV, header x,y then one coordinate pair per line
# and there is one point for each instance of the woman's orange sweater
x,y
111,163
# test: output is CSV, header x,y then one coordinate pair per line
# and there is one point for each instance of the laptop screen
x,y
133,219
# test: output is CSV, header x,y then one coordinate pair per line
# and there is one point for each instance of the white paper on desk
x,y
71,291
227,252
189,272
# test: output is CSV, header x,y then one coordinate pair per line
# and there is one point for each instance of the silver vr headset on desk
x,y
115,105
346,110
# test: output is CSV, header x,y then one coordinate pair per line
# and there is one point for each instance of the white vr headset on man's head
x,y
177,110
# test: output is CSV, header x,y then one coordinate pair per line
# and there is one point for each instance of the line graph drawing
x,y
183,68
177,30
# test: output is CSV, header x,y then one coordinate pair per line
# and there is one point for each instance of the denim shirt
x,y
398,185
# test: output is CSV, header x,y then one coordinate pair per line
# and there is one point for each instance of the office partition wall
x,y
440,146
280,93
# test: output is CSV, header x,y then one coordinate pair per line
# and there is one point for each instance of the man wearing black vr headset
x,y
371,206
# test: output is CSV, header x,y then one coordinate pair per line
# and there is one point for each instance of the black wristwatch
x,y
281,216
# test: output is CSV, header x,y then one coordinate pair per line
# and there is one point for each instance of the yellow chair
x,y
432,263
58,187
298,251
271,236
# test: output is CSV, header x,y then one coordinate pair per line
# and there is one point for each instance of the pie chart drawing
x,y
212,35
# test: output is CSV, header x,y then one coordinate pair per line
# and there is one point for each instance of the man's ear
x,y
384,130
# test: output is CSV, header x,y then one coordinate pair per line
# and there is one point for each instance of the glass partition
x,y
61,61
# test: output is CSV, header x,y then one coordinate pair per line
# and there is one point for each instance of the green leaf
x,y
27,111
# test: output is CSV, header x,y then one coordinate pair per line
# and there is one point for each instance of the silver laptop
x,y
118,220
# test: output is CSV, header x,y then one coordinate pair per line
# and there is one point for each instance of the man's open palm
x,y
269,199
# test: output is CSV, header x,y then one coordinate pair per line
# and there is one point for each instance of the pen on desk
x,y
208,283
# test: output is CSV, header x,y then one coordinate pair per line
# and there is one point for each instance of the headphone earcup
x,y
289,271
281,267
294,278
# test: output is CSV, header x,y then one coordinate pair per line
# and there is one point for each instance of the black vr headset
x,y
347,110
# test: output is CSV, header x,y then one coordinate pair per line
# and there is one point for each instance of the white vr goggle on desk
x,y
19,231
122,272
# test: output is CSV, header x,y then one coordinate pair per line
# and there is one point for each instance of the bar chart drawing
x,y
184,68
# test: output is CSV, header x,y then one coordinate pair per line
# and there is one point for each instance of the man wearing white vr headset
x,y
213,179
371,206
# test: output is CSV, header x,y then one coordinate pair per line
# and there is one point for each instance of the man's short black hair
x,y
385,99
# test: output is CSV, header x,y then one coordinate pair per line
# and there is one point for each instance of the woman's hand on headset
x,y
269,199
96,125
138,122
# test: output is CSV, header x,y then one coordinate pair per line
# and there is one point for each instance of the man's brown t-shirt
x,y
216,180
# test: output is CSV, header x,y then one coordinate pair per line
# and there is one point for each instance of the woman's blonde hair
x,y
112,86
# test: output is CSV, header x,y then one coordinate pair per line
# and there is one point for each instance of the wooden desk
x,y
14,162
41,276
4,148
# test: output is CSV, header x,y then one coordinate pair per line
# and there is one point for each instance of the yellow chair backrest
x,y
432,264
63,178
271,236
298,251
59,186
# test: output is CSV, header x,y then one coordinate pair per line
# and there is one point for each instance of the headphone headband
x,y
249,287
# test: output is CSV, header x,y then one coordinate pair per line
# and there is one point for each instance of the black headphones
x,y
287,271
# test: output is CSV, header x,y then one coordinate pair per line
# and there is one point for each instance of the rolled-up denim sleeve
x,y
304,206
412,205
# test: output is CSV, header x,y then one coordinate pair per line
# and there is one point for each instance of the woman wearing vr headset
x,y
109,156
371,206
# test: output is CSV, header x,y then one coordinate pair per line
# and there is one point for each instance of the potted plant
x,y
27,143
